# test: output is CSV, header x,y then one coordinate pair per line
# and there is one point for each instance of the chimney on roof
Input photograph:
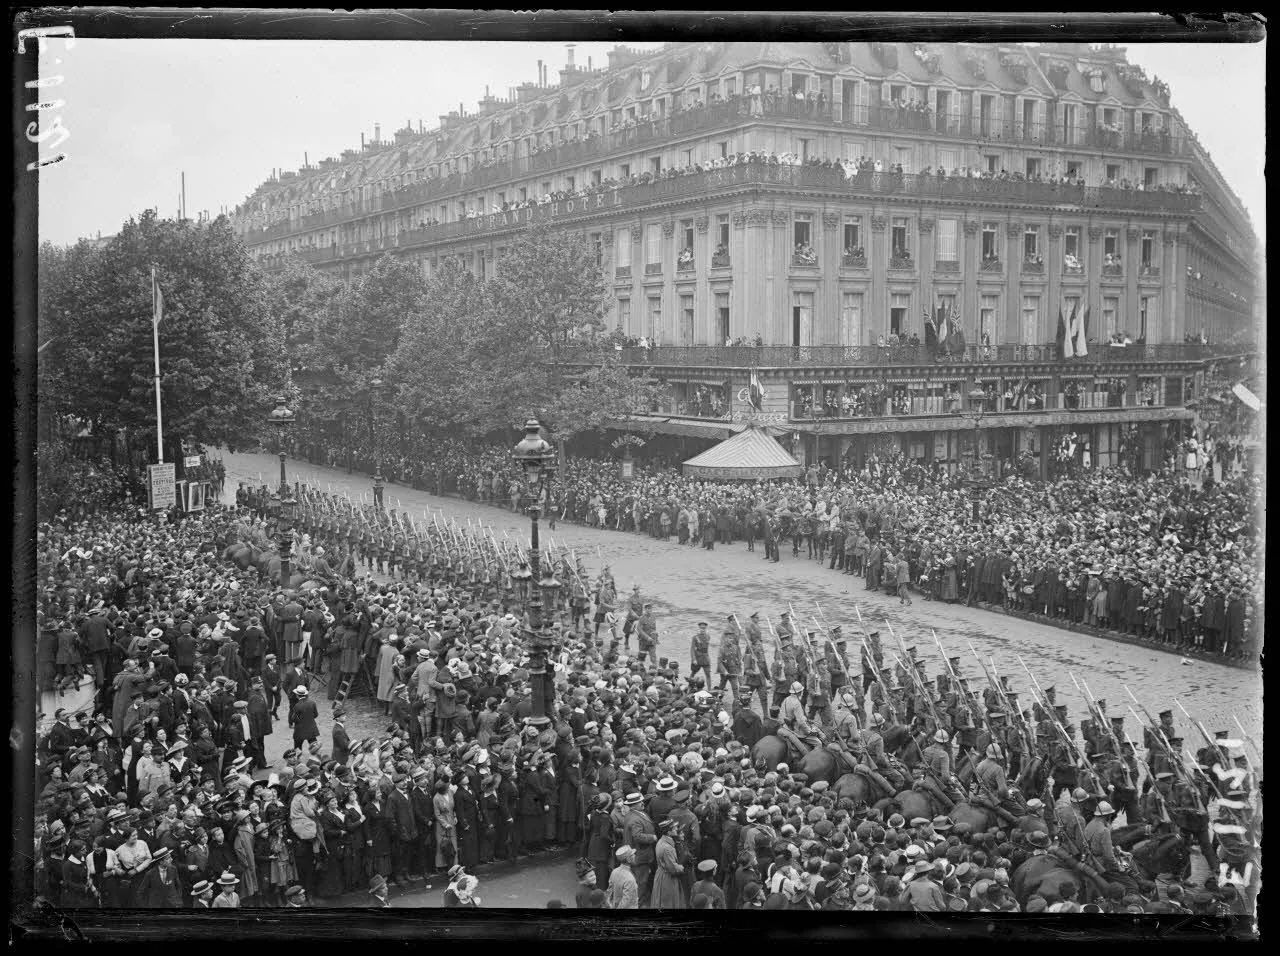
x,y
305,163
588,63
362,140
377,132
569,49
539,73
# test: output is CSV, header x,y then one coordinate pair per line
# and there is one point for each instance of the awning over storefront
x,y
751,455
714,429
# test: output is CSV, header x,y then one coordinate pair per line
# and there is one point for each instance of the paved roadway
x,y
687,584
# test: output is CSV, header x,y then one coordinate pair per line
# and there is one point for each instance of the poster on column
x,y
162,489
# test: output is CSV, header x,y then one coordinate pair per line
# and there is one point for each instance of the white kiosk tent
x,y
750,455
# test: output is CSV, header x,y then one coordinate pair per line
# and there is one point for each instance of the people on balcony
x,y
272,207
805,255
854,252
685,259
1071,262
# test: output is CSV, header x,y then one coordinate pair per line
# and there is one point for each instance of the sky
x,y
142,112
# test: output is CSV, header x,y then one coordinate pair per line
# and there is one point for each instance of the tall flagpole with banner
x,y
157,313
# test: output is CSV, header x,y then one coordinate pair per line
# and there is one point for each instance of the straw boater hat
x,y
228,879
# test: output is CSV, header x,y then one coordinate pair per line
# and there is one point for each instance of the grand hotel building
x,y
818,270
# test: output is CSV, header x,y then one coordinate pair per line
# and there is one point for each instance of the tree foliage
x,y
531,340
221,347
350,330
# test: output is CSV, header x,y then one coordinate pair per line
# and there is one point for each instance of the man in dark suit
x,y
238,734
421,859
302,718
271,683
341,741
259,712
95,633
290,681
404,828
253,645
184,648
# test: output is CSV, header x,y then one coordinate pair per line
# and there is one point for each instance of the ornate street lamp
x,y
282,418
534,456
375,390
976,481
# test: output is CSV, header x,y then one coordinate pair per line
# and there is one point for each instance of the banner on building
x,y
162,489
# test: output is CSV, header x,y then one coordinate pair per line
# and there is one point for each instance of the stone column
x,y
1012,284
826,323
1131,260
1173,285
1053,292
1093,271
876,317
970,265
703,303
755,264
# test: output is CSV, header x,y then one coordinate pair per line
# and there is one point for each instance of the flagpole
x,y
155,344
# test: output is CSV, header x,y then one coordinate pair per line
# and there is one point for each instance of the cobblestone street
x,y
687,584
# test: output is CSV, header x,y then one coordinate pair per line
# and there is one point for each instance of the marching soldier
x,y
819,689
729,663
936,758
700,653
755,665
873,744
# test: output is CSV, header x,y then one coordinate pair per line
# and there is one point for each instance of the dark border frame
x,y
30,923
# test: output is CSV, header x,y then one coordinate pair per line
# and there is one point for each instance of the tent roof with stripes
x,y
749,455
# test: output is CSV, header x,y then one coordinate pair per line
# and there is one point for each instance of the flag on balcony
x,y
1064,340
931,332
1082,333
944,329
1022,390
756,393
955,341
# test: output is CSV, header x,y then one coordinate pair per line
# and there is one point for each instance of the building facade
x,y
812,203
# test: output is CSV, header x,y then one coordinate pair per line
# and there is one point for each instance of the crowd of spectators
x,y
1188,557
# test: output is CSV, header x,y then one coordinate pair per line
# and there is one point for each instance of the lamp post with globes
x,y
977,483
283,504
375,392
534,456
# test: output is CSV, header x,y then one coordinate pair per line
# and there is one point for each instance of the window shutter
x,y
998,107
862,92
956,109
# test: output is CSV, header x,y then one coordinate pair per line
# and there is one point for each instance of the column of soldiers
x,y
982,746
892,724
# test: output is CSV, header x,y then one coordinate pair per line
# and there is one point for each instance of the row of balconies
x,y
870,185
711,117
899,406
991,129
837,356
899,262
949,187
